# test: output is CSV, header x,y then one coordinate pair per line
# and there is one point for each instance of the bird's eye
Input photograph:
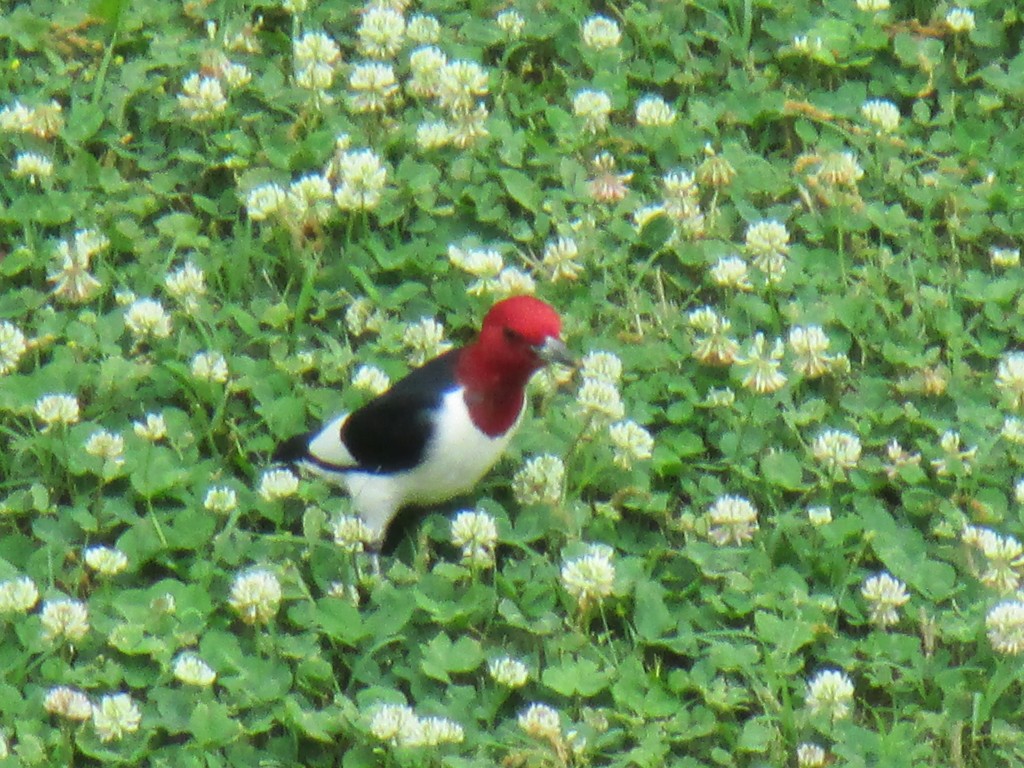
x,y
511,335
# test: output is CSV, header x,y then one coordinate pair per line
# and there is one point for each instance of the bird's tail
x,y
293,449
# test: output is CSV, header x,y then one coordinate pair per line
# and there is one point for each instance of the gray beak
x,y
553,350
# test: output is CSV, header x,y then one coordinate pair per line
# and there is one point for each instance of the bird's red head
x,y
518,336
530,319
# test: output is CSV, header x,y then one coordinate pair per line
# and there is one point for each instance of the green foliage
x,y
789,467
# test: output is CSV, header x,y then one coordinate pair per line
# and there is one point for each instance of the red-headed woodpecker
x,y
436,432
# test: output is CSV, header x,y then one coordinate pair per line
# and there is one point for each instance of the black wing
x,y
391,432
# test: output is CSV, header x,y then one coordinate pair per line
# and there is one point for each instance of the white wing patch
x,y
327,446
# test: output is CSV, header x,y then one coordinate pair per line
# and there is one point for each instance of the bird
x,y
436,432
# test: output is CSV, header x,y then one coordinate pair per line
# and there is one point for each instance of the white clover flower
x,y
560,259
423,29
433,135
508,672
885,596
541,722
645,214
351,534
255,596
371,379
69,703
630,443
681,192
601,33
153,429
469,125
192,670
837,450
511,22
476,534
953,455
54,410
72,280
17,118
960,19
12,347
147,319
265,201
593,107
731,272
115,716
1018,491
1013,430
768,243
539,481
1005,626
714,346
1010,378
317,78
220,499
719,398
309,198
806,45
18,595
106,561
601,366
426,65
1004,257
278,484
33,166
460,84
363,178
64,618
652,111
600,402
425,340
47,120
809,755
763,374
591,577
315,48
819,516
810,347
381,32
202,98
362,317
372,86
605,184
395,724
439,730
186,284
899,457
1004,557
764,238
840,169
479,262
210,366
873,6
235,75
108,446
731,520
830,692
883,114
513,282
